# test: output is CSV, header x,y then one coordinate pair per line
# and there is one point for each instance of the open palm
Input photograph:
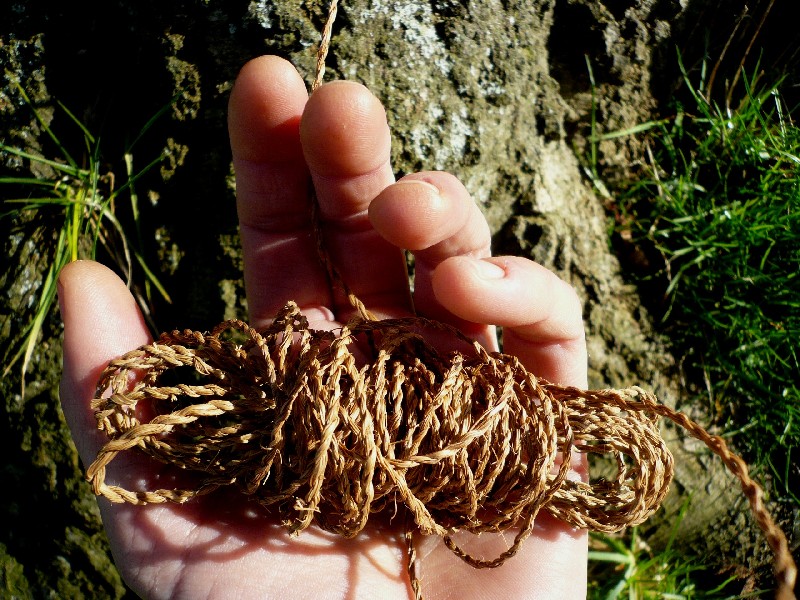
x,y
223,546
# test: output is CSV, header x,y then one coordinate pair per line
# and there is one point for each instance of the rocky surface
x,y
498,92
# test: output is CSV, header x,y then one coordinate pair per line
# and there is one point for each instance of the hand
x,y
221,545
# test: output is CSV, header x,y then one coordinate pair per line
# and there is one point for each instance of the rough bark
x,y
495,91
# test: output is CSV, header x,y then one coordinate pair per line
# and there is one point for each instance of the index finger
x,y
272,195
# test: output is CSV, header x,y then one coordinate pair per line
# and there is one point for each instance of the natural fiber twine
x,y
330,427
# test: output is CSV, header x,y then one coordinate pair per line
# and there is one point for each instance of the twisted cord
x,y
466,441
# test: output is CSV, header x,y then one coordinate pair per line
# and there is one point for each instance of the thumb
x,y
101,322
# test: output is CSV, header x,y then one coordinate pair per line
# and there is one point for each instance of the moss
x,y
13,584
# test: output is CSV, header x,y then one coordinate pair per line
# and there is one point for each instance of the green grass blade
x,y
163,110
83,201
635,130
134,178
46,127
151,277
71,170
26,181
612,557
86,133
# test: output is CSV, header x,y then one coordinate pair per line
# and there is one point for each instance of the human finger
x,y
543,326
101,322
432,215
211,543
541,314
272,192
346,143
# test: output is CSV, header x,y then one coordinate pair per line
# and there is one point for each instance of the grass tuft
x,y
719,216
84,203
625,568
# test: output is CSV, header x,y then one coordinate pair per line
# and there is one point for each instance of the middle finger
x,y
346,143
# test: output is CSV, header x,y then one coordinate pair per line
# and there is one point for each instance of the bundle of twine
x,y
466,440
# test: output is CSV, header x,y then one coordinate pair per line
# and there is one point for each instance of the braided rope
x,y
466,440
471,442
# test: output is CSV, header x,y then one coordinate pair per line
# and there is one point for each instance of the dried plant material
x,y
465,440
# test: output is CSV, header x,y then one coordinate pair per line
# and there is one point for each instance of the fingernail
x,y
423,186
489,270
